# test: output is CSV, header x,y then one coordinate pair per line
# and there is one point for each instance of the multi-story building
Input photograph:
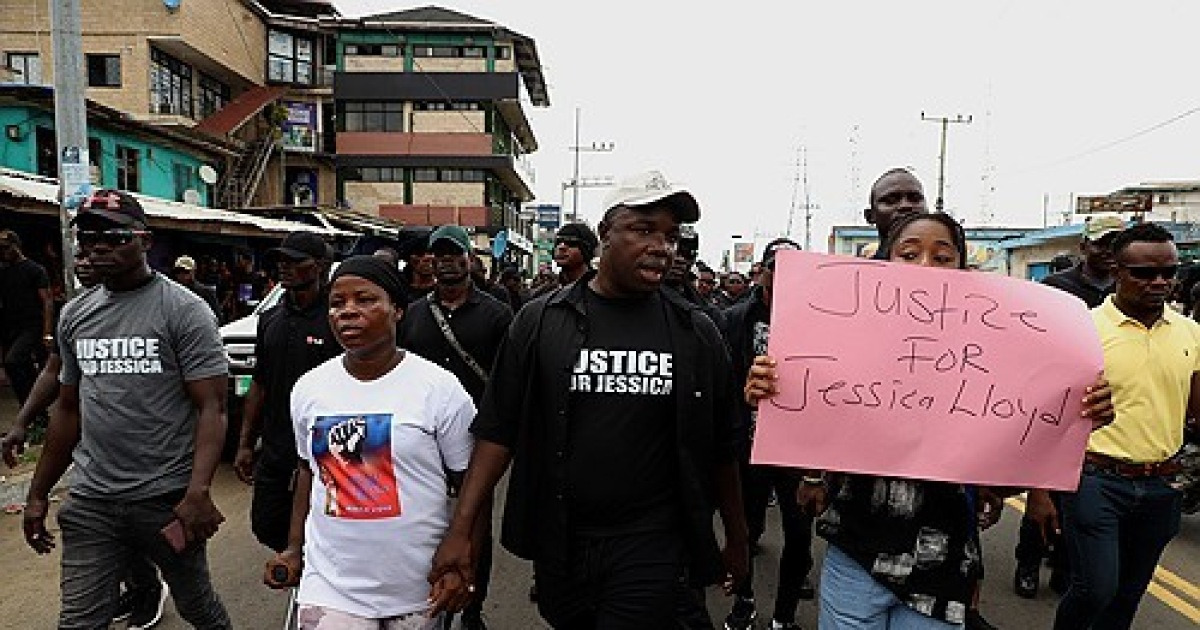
x,y
250,74
431,126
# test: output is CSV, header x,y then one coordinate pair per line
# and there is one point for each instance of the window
x,y
425,175
95,149
47,152
181,175
441,106
170,85
449,175
27,67
372,116
104,70
289,58
448,51
382,174
127,169
503,52
214,95
375,50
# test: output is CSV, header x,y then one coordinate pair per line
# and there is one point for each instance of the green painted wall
x,y
156,162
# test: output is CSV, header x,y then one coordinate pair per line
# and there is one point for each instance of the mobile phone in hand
x,y
173,533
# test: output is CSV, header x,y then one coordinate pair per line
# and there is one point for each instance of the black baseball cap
x,y
300,245
114,206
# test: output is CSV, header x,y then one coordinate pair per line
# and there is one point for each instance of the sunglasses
x,y
1151,272
569,242
113,238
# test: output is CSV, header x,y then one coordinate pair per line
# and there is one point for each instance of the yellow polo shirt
x,y
1150,372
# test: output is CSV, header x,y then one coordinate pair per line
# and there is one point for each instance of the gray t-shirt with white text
x,y
131,353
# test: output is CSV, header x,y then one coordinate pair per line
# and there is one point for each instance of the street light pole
x,y
70,122
945,122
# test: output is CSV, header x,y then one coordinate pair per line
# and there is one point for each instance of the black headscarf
x,y
376,271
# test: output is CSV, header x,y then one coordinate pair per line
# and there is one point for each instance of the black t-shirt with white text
x,y
621,468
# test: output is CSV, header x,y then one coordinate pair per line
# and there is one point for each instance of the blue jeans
x,y
1116,529
851,599
99,539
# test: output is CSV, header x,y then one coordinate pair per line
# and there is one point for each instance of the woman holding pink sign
x,y
903,553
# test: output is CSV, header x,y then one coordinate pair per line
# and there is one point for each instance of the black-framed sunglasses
x,y
1151,272
114,237
569,242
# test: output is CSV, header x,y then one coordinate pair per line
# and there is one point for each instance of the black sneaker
x,y
472,622
124,606
148,607
975,621
742,616
807,590
1025,581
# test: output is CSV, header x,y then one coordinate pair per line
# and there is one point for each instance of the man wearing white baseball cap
x,y
613,401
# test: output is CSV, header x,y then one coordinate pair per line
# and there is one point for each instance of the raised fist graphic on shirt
x,y
346,439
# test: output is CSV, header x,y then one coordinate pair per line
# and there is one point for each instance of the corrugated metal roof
x,y
24,185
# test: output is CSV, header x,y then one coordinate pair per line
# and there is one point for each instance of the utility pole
x,y
70,122
945,122
598,182
595,147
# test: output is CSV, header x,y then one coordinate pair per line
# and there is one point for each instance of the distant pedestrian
x,y
515,293
574,248
1093,278
184,272
142,414
381,435
612,400
26,315
733,289
292,337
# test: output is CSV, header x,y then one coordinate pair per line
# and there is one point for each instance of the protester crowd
x,y
390,396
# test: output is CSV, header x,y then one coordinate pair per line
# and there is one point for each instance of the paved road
x,y
29,590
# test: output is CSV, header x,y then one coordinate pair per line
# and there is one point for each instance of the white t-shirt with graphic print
x,y
378,451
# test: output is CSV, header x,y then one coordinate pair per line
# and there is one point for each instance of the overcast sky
x,y
721,96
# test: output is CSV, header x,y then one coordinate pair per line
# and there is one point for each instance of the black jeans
x,y
795,560
628,582
100,536
1116,529
23,353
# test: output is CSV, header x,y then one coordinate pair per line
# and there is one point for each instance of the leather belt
x,y
1115,466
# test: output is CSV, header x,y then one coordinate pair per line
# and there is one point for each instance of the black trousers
x,y
271,505
24,351
795,560
629,582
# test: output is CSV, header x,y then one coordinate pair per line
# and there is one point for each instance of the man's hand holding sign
x,y
926,373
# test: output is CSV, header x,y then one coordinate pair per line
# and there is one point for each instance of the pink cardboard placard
x,y
908,371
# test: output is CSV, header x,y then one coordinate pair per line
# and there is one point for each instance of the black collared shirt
x,y
527,408
479,324
290,342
